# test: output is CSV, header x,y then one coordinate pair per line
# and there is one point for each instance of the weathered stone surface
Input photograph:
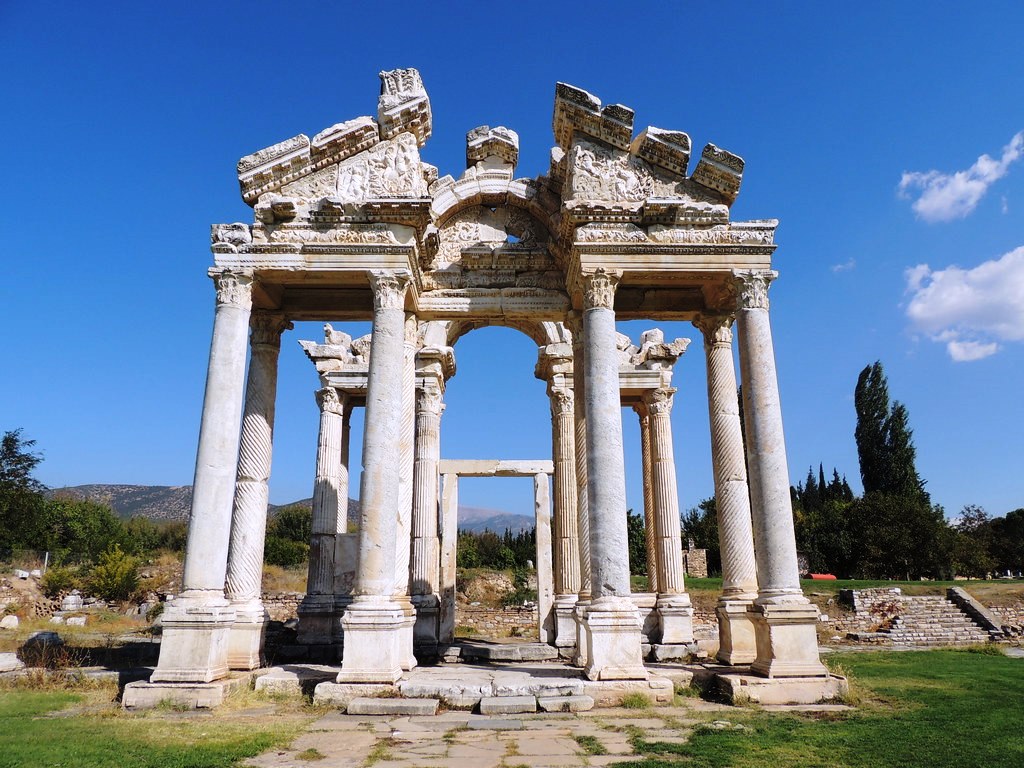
x,y
340,694
370,706
610,693
739,688
9,621
143,695
9,662
294,679
507,705
581,703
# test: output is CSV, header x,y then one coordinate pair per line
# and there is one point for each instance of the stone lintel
x,y
495,467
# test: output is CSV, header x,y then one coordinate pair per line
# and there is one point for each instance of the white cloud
x,y
971,310
948,196
847,265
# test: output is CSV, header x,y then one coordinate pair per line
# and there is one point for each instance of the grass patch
x,y
40,729
381,751
591,745
636,701
310,754
934,709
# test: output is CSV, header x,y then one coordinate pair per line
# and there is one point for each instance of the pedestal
x,y
613,642
372,643
675,616
316,620
565,621
194,644
425,631
245,639
787,640
736,641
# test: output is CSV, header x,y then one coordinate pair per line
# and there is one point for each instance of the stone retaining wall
x,y
514,621
283,605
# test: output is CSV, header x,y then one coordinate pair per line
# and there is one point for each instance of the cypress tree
x,y
871,400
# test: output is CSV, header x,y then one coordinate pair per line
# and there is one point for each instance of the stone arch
x,y
542,333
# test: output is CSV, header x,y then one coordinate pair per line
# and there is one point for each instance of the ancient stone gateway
x,y
352,225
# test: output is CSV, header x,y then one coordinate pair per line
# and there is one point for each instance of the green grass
x,y
929,709
591,745
36,732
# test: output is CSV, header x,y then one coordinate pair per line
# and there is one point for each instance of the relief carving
x,y
390,169
599,289
752,288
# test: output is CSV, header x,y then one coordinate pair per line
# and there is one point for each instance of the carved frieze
x,y
403,105
716,235
389,169
601,232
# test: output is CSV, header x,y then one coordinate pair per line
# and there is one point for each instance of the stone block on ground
x,y
340,694
580,703
507,705
741,688
364,705
9,662
145,695
610,693
295,678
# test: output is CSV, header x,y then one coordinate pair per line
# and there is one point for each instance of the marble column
x,y
545,576
372,624
197,623
425,541
249,514
650,535
784,620
346,550
675,613
574,323
330,510
406,463
612,622
566,521
449,541
736,644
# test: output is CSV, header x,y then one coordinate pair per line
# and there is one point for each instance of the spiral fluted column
x,y
249,513
736,644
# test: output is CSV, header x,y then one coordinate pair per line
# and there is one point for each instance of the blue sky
x,y
861,125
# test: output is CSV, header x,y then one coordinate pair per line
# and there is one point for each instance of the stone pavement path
x,y
463,740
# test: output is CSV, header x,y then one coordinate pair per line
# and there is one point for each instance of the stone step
x,y
508,705
376,706
565,703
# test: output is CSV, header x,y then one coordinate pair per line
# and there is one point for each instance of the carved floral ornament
x,y
561,401
659,401
329,402
599,289
429,400
234,289
389,289
717,329
752,288
267,327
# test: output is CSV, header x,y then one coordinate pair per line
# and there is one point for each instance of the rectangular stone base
x,y
740,688
365,705
674,652
376,636
294,679
610,693
787,640
613,651
736,640
194,644
143,695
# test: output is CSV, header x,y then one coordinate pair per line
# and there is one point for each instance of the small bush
x,y
115,576
285,552
636,701
60,579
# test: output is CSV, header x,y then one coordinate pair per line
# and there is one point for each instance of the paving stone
x,y
494,724
370,706
507,705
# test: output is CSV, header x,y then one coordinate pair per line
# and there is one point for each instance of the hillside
x,y
172,502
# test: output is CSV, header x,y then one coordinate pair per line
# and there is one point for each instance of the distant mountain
x,y
172,502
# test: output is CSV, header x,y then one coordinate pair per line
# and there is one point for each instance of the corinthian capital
x,y
752,287
389,289
561,401
329,402
659,400
429,400
234,289
599,289
717,329
267,328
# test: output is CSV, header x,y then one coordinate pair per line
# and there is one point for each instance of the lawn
x,y
927,709
85,729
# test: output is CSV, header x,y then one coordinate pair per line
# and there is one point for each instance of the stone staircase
x,y
927,620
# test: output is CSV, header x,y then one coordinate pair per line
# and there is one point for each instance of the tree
x,y
884,440
700,523
1008,542
21,495
637,538
972,543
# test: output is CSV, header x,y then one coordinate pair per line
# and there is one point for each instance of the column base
x,y
373,635
565,621
582,633
428,613
194,646
786,635
613,641
245,640
317,620
406,655
736,642
675,618
646,605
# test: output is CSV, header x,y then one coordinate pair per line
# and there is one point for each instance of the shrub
x,y
285,552
59,579
115,576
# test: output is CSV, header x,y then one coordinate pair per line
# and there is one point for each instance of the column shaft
x,y
425,563
566,521
328,503
666,495
650,534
